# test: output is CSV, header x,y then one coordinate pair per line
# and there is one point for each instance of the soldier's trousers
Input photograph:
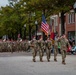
x,y
55,52
48,53
41,53
34,52
63,52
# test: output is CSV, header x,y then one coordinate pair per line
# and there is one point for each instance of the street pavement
x,y
21,64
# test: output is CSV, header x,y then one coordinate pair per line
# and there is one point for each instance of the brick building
x,y
69,24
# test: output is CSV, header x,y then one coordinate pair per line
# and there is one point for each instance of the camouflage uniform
x,y
28,48
19,46
48,47
64,42
55,48
4,46
33,47
41,46
9,46
37,46
25,46
0,46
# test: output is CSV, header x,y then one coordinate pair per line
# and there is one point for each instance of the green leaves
x,y
13,18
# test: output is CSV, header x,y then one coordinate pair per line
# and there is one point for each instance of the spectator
x,y
70,41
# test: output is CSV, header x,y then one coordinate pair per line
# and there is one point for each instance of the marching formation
x,y
14,46
47,45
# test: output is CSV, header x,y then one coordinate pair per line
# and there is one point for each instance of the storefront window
x,y
71,17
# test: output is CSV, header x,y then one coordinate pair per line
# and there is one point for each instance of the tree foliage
x,y
13,17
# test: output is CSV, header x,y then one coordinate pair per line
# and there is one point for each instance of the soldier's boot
x,y
34,60
48,60
55,60
41,60
63,62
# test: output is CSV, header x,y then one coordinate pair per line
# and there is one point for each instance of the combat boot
x,y
55,60
48,60
63,62
34,60
41,60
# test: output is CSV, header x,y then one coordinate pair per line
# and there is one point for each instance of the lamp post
x,y
24,31
36,23
29,20
75,20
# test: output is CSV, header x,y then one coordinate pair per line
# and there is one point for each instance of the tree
x,y
54,6
13,18
63,6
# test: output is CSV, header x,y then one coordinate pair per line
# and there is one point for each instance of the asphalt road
x,y
21,64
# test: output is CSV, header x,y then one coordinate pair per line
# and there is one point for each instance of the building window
x,y
54,20
71,18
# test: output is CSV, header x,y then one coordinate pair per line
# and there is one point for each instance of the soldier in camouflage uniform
x,y
19,44
34,48
37,46
64,42
4,46
0,45
25,45
41,47
55,48
9,46
48,47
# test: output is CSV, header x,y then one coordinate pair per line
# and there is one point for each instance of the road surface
x,y
21,64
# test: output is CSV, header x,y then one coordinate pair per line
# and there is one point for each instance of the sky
x,y
3,2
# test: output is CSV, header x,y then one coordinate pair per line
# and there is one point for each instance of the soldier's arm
x,y
68,44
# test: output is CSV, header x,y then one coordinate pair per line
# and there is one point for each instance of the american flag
x,y
44,25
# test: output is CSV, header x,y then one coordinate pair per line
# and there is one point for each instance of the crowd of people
x,y
72,48
14,46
